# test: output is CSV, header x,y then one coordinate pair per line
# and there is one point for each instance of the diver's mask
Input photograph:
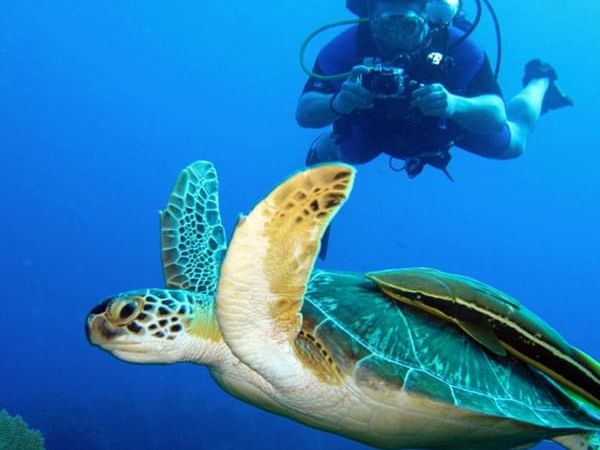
x,y
396,33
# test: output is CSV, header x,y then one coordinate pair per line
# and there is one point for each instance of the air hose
x,y
468,33
312,35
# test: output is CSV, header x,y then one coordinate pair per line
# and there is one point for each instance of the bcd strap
x,y
414,165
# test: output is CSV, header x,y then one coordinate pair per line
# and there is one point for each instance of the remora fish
x,y
497,321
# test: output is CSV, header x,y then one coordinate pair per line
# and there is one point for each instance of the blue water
x,y
101,105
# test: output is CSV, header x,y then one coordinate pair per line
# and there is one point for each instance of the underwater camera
x,y
388,81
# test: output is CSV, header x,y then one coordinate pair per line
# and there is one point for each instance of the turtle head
x,y
156,326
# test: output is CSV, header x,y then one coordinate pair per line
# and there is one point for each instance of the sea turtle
x,y
328,349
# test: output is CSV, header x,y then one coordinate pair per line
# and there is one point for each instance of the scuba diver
x,y
408,81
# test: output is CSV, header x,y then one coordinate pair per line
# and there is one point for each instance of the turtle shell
x,y
382,342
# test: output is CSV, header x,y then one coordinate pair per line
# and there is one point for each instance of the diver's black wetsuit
x,y
391,127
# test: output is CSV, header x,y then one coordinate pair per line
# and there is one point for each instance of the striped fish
x,y
497,321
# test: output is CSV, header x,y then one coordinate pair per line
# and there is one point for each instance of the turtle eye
x,y
127,311
123,312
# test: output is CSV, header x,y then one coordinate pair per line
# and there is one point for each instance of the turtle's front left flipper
x,y
265,272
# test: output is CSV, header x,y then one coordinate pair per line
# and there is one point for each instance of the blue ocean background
x,y
103,103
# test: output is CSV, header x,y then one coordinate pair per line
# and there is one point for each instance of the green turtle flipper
x,y
192,236
265,273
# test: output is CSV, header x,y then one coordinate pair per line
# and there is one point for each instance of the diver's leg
x,y
540,95
523,111
353,149
495,144
323,149
330,147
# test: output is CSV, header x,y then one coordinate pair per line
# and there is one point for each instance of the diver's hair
x,y
372,4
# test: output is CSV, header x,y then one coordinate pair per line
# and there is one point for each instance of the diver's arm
x,y
481,114
317,109
313,110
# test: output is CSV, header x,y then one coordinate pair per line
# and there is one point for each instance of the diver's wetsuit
x,y
393,128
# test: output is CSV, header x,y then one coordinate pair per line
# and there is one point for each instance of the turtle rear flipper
x,y
266,269
581,441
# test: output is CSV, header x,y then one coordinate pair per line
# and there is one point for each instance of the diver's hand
x,y
434,100
353,95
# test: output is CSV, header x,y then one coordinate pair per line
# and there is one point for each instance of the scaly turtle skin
x,y
328,349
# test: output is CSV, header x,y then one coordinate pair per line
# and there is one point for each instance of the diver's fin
x,y
554,98
536,68
325,244
482,333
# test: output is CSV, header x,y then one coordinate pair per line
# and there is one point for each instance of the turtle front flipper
x,y
266,269
192,235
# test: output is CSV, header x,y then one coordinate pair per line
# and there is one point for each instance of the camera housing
x,y
387,81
